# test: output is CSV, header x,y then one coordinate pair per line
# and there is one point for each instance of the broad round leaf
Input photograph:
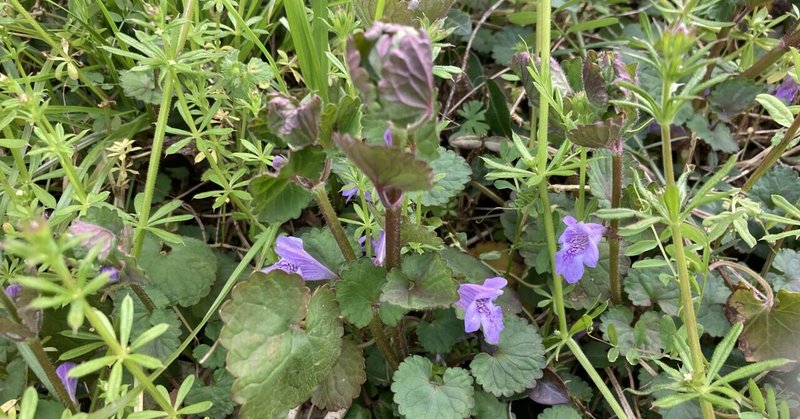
x,y
769,332
451,172
517,363
419,396
278,350
184,272
423,282
358,291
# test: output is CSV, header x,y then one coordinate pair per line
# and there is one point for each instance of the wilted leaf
x,y
549,390
517,363
769,332
278,349
343,384
419,396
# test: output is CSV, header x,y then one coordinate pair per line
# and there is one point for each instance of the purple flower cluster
x,y
579,247
480,312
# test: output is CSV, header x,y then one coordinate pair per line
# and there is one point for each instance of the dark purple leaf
x,y
298,125
549,390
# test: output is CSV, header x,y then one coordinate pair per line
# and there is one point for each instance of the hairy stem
x,y
613,238
392,231
580,208
50,370
332,221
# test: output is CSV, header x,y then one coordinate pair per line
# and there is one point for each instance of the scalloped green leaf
x,y
560,412
343,384
358,291
184,273
441,333
281,341
769,332
517,363
645,287
423,282
420,395
276,200
451,173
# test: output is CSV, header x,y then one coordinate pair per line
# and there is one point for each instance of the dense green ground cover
x,y
381,208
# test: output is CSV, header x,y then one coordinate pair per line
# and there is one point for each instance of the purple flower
x,y
787,90
378,248
295,259
70,383
12,291
579,247
113,273
352,192
387,137
279,161
479,309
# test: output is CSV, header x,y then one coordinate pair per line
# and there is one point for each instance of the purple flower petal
x,y
70,383
379,249
787,90
387,137
279,161
349,193
113,273
579,247
13,291
295,259
479,309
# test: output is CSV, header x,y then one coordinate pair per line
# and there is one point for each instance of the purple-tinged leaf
x,y
406,86
549,390
297,124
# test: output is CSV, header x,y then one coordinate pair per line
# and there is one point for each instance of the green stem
x,y
581,206
688,314
596,379
332,220
552,248
379,10
773,155
613,238
152,167
768,59
376,328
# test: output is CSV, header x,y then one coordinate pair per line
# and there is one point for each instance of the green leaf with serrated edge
x,y
184,272
218,392
166,343
642,339
419,396
488,407
320,244
140,85
359,290
517,363
452,173
343,383
278,350
720,138
386,167
711,313
465,266
647,287
441,333
560,412
423,282
769,332
787,264
277,200
411,232
733,96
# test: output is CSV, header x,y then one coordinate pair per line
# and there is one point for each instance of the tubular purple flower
x,y
378,248
579,247
279,161
70,383
787,90
352,192
387,137
295,259
12,291
479,308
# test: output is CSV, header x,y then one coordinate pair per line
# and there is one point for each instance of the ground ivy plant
x,y
391,208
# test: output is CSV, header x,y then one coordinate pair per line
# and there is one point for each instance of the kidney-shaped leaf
x,y
419,396
281,342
